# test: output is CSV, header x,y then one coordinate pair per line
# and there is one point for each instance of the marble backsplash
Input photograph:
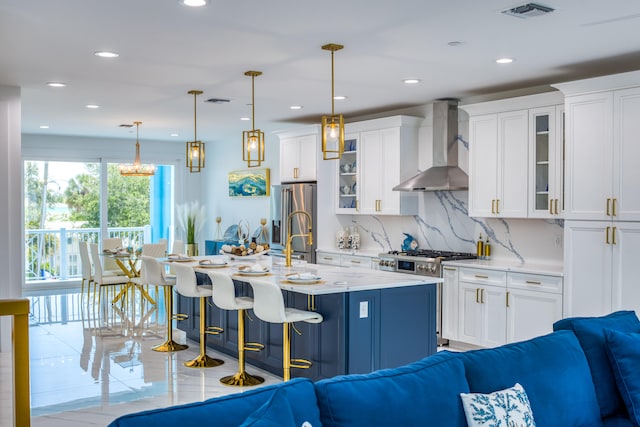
x,y
443,224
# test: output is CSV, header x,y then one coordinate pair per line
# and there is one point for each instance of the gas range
x,y
425,262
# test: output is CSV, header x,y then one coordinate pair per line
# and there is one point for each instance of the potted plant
x,y
191,220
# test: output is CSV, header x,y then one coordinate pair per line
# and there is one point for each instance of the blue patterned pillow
x,y
509,407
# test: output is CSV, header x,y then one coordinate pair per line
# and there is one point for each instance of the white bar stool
x,y
268,305
153,274
187,286
224,296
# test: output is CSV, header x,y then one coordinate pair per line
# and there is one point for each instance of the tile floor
x,y
84,375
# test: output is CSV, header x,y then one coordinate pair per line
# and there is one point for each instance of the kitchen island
x,y
372,320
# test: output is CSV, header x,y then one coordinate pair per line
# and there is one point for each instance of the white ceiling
x,y
166,49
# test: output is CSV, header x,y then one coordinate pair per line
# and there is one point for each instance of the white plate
x,y
212,265
253,273
181,260
304,281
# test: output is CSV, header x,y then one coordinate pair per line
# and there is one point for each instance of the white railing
x,y
53,254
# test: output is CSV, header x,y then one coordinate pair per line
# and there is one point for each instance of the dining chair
x,y
154,274
87,269
224,296
187,286
109,265
178,247
268,305
102,280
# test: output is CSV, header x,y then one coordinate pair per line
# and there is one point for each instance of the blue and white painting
x,y
249,183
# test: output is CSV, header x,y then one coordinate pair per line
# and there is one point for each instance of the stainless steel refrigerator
x,y
286,199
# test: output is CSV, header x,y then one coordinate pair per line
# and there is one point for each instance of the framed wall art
x,y
249,183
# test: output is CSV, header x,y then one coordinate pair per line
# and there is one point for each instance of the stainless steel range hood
x,y
445,173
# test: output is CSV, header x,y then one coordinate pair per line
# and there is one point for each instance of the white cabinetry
x,y
546,146
381,153
481,307
346,260
602,238
493,307
602,151
299,154
601,267
514,162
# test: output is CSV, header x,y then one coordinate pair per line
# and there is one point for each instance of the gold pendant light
x,y
333,125
195,148
253,140
137,168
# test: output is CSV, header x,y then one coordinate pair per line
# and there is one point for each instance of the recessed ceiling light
x,y
504,60
245,118
44,126
56,84
174,134
92,106
296,107
339,97
411,81
193,3
106,54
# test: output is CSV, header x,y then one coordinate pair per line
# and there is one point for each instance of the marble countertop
x,y
517,267
359,252
333,279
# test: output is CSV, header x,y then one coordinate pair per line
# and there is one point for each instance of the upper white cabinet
x,y
546,151
299,154
515,157
602,149
379,154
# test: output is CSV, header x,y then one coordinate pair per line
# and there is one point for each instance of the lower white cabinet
x,y
346,260
489,307
601,267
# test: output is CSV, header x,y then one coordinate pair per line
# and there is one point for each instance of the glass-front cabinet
x,y
348,176
546,155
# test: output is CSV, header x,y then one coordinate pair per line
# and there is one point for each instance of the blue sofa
x,y
568,376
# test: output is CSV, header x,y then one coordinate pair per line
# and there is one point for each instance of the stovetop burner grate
x,y
429,253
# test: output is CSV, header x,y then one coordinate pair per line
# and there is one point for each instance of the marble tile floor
x,y
82,375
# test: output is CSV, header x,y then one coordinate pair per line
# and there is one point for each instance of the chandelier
x,y
195,148
333,125
137,168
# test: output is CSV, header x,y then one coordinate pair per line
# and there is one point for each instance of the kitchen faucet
x,y
288,249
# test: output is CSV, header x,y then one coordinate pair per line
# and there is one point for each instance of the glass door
x,y
348,177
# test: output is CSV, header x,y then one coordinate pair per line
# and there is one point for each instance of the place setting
x,y
307,278
179,258
252,270
212,263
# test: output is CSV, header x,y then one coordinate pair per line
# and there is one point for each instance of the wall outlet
x,y
364,309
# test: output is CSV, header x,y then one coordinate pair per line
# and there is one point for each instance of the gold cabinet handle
x,y
551,206
478,295
507,299
493,206
532,282
327,258
606,238
557,210
481,296
296,173
615,203
378,206
608,207
497,206
449,268
357,205
613,235
355,262
481,276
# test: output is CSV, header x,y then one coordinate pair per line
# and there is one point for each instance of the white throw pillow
x,y
506,408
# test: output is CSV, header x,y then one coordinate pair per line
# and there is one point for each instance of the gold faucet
x,y
287,249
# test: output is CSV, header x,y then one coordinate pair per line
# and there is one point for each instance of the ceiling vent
x,y
218,100
529,10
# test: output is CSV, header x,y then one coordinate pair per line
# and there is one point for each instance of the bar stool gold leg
x,y
242,378
203,360
169,344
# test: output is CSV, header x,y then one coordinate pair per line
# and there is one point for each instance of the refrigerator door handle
x,y
285,211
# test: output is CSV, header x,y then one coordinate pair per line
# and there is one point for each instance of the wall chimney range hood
x,y
445,173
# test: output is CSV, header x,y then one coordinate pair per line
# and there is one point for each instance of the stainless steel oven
x,y
424,263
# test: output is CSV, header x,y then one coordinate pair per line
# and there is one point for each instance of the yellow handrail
x,y
19,309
